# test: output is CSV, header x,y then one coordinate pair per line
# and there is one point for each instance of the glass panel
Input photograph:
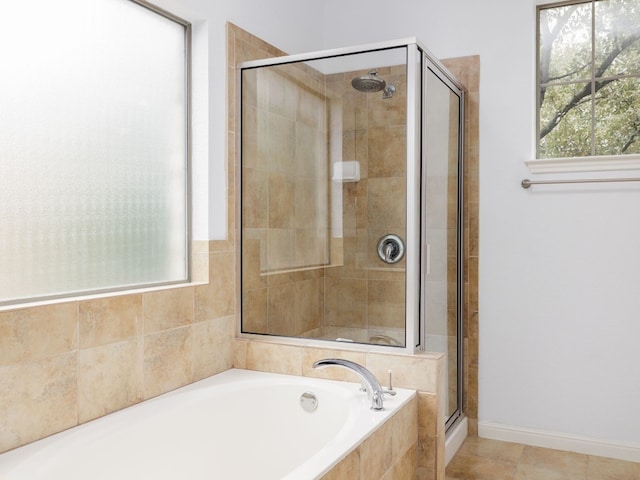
x,y
442,117
324,178
565,121
93,144
617,124
617,37
565,43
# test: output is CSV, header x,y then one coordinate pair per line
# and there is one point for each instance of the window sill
x,y
584,164
96,296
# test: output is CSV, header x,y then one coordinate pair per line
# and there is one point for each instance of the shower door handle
x,y
427,267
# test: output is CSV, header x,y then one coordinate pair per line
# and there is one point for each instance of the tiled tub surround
x,y
424,373
216,427
73,361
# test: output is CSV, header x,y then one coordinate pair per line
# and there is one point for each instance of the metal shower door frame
x,y
447,78
417,57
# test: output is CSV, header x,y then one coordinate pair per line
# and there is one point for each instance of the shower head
x,y
369,83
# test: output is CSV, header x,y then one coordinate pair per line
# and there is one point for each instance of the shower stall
x,y
351,201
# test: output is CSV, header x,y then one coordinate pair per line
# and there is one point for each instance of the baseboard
x,y
559,441
455,438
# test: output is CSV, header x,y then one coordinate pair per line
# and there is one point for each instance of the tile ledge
x,y
305,343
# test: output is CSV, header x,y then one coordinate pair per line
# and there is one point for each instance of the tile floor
x,y
483,459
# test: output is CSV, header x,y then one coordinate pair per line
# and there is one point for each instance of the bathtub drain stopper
x,y
308,401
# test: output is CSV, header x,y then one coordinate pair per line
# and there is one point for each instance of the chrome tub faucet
x,y
374,390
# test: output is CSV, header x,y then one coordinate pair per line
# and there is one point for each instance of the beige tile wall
x,y
365,293
285,207
70,362
390,453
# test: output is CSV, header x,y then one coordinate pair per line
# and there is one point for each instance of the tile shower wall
x,y
285,210
70,362
365,296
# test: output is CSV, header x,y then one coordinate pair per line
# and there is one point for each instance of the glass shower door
x,y
324,198
442,229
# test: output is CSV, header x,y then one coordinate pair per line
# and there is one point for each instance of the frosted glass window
x,y
93,148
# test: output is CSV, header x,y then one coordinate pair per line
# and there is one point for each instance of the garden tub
x,y
236,425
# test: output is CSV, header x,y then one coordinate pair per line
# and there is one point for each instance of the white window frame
x,y
571,164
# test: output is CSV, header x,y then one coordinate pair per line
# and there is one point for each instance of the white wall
x,y
292,25
559,266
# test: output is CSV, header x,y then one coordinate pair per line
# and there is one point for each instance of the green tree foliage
x,y
589,79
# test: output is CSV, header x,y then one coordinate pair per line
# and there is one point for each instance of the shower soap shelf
x,y
348,171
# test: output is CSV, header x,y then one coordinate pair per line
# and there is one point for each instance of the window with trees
x,y
589,78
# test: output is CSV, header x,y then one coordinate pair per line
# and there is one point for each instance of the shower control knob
x,y
390,249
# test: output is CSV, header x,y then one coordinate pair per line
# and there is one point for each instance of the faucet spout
x,y
374,390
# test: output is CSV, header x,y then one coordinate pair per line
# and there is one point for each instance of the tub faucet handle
x,y
390,390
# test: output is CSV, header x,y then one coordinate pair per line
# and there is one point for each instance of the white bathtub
x,y
234,426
